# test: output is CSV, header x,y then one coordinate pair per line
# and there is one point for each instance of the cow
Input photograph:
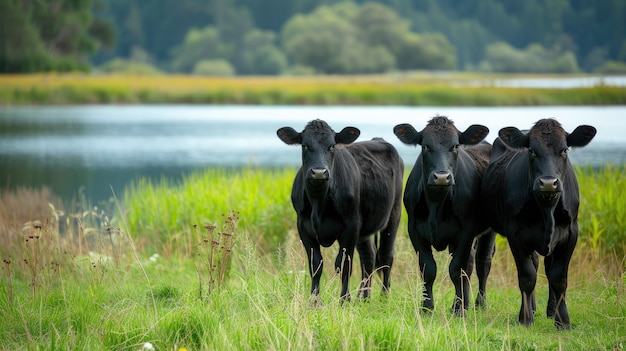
x,y
531,196
442,203
346,192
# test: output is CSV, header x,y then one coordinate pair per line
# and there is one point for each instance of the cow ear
x,y
581,136
473,135
407,134
513,137
347,135
289,136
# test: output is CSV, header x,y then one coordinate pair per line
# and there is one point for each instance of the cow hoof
x,y
481,301
315,301
562,326
527,324
458,312
426,311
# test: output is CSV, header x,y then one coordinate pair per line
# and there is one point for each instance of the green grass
x,y
164,213
104,305
411,89
115,283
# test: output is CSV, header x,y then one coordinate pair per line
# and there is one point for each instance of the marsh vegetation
x,y
213,262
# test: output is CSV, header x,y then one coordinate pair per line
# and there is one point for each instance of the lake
x,y
94,148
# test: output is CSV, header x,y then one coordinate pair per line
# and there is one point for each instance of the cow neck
x,y
435,216
547,214
318,197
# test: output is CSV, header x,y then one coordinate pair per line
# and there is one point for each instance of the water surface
x,y
96,147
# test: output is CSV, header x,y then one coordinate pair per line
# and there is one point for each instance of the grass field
x,y
172,265
411,89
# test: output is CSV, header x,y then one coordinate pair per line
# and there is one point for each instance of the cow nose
x,y
442,178
548,184
319,173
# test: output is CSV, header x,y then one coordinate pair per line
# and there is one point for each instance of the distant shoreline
x,y
415,89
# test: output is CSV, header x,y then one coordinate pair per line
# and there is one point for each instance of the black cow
x,y
532,198
346,192
442,203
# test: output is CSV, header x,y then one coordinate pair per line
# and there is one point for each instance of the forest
x,y
305,37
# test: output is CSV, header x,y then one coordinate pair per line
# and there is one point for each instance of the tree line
x,y
271,37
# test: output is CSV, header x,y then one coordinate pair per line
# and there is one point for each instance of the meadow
x,y
213,262
409,89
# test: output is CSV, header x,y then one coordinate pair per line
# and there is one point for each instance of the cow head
x,y
547,145
318,142
440,142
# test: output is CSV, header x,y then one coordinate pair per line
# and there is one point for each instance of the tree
x,y
199,44
348,39
319,40
502,57
21,48
214,68
261,56
48,35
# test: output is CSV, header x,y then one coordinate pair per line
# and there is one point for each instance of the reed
x,y
424,89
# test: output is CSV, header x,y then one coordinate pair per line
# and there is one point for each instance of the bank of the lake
x,y
423,89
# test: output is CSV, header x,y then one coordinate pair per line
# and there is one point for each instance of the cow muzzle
x,y
318,174
547,189
441,178
438,185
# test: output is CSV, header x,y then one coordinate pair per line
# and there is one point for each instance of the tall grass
x,y
602,214
79,294
425,89
162,214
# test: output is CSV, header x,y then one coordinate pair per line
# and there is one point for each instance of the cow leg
x,y
533,300
367,255
428,269
527,278
485,249
460,270
557,265
316,265
386,246
343,266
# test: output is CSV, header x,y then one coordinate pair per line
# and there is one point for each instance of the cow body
x,y
346,192
532,198
442,203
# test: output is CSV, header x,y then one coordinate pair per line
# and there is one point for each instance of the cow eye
x,y
331,148
425,148
305,148
564,152
455,148
532,152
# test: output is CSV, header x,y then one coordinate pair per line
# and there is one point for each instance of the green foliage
x,y
41,36
221,68
132,68
602,219
199,44
581,27
612,67
261,56
372,38
501,57
164,213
